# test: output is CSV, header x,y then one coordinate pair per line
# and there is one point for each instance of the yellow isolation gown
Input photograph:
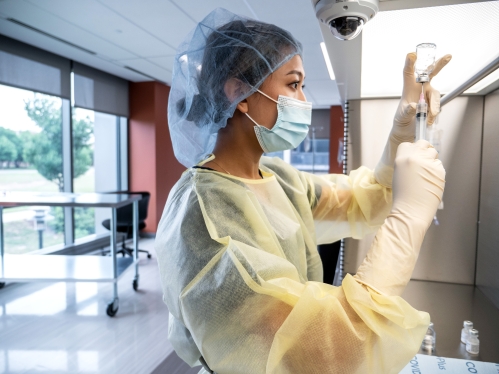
x,y
242,277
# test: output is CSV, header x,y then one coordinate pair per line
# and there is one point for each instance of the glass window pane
x,y
95,165
83,168
31,160
312,156
123,154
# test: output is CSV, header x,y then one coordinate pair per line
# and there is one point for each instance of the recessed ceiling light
x,y
328,61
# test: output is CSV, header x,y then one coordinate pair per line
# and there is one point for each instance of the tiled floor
x,y
63,327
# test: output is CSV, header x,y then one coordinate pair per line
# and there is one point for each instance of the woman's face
x,y
286,81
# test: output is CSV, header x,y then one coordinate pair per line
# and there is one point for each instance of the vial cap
x,y
431,324
473,332
468,324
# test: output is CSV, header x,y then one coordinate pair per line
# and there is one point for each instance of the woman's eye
x,y
295,85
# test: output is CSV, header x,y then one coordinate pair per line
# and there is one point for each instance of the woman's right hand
x,y
418,181
418,186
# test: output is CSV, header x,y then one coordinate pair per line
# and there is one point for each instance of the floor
x,y
63,327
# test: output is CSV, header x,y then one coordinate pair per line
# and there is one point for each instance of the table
x,y
449,305
57,268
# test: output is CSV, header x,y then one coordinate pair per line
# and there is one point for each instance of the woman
x,y
237,243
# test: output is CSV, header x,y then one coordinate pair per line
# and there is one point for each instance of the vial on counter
x,y
473,344
467,326
430,339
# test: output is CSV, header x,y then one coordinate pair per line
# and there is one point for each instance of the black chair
x,y
124,221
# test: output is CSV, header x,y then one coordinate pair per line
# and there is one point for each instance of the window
x,y
312,155
99,163
31,160
63,127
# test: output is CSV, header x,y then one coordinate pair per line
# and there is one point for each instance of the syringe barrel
x,y
421,111
422,107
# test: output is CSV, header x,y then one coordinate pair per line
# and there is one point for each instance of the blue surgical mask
x,y
291,128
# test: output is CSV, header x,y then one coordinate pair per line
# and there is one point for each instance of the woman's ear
x,y
242,106
234,89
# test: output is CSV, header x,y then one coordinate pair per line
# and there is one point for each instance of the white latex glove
x,y
418,185
403,129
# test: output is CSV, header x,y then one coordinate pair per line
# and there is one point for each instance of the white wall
x,y
449,250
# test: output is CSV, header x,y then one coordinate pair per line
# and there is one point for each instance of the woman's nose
x,y
302,96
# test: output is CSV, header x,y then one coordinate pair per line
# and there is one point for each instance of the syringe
x,y
421,111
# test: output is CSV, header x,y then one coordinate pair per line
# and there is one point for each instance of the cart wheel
x,y
135,284
2,285
111,311
149,255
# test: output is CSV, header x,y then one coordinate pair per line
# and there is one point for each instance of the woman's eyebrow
x,y
296,72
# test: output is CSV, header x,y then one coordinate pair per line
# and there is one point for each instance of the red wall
x,y
335,134
153,166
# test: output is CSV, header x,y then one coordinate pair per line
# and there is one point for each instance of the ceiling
x,y
143,35
136,40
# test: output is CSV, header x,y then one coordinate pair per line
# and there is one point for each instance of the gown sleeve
x,y
343,206
352,205
247,310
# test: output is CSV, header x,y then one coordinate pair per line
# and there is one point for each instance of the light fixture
x,y
483,83
389,36
328,61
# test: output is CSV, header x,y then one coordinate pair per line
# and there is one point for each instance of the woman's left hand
x,y
403,124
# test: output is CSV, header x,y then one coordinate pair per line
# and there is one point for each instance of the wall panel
x,y
449,249
487,278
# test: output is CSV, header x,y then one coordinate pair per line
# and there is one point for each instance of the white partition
x,y
449,250
487,278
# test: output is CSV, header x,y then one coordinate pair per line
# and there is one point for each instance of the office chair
x,y
124,221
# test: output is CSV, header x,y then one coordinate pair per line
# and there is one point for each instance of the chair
x,y
124,221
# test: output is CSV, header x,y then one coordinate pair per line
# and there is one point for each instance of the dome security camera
x,y
346,18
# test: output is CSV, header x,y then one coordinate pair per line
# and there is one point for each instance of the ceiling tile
x,y
37,18
315,65
38,40
296,16
150,69
199,9
166,62
162,19
325,92
101,21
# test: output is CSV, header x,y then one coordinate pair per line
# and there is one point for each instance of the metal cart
x,y
63,268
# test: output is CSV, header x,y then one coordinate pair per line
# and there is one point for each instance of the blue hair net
x,y
222,46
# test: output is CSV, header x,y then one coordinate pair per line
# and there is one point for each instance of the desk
x,y
57,268
451,304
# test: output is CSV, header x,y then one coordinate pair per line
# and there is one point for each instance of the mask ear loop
x,y
259,128
252,120
267,96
